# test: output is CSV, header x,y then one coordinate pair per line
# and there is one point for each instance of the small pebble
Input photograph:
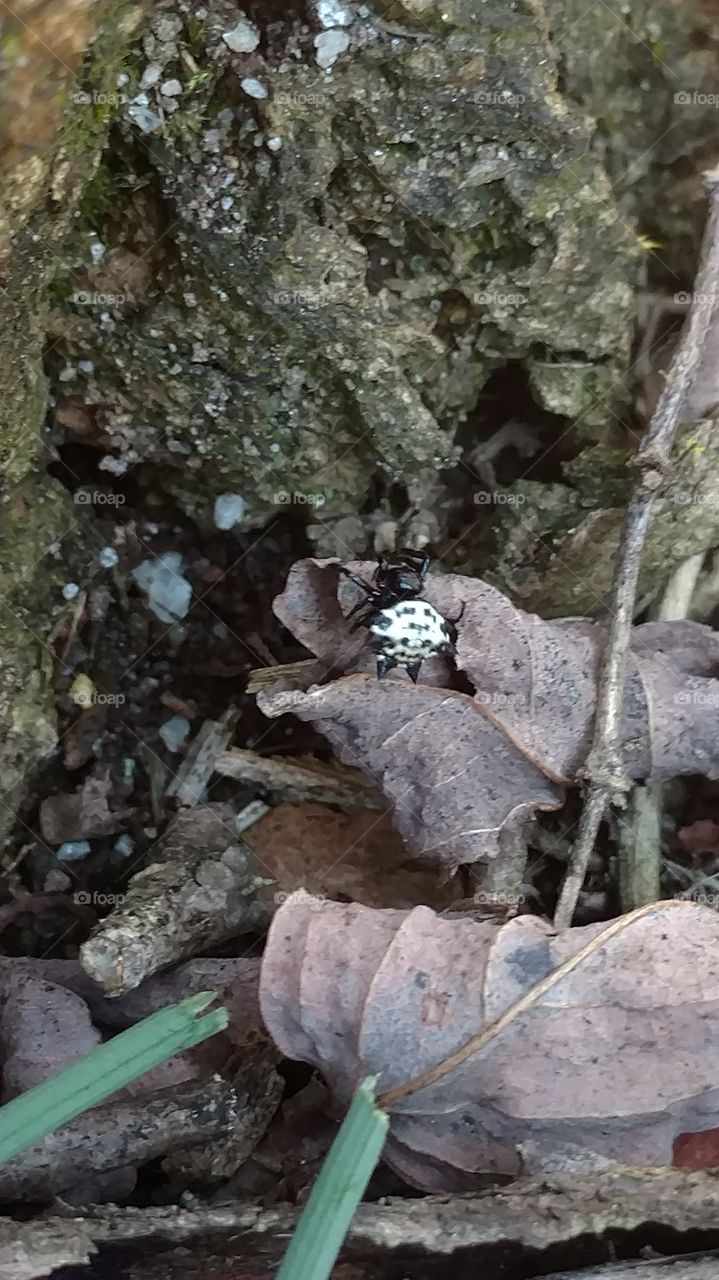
x,y
116,466
124,845
254,88
86,366
70,590
168,591
145,119
82,690
171,89
151,75
243,38
97,250
73,850
174,732
330,13
108,557
329,45
274,143
229,510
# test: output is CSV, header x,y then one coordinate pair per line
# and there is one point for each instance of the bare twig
x,y
604,768
639,837
534,1214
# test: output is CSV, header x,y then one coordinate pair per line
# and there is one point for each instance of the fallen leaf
x,y
333,855
456,766
43,1027
612,1054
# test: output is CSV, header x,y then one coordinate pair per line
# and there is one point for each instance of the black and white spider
x,y
404,629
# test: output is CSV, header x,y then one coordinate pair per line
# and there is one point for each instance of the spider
x,y
404,628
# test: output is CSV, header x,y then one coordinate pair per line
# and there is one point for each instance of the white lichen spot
x,y
171,89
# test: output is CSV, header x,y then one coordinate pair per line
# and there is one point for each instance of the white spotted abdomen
x,y
410,631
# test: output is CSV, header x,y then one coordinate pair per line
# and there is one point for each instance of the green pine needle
x,y
64,1095
338,1190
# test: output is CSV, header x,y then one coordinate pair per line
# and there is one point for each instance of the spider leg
x,y
361,604
453,621
358,581
362,621
384,665
419,557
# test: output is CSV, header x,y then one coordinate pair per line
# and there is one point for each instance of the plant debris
x,y
200,890
560,1032
456,766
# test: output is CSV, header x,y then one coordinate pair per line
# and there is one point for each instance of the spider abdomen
x,y
410,631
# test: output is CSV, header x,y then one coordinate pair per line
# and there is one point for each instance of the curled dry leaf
x,y
614,1057
457,765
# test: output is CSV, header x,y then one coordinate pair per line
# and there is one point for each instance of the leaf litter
x,y
457,766
542,1051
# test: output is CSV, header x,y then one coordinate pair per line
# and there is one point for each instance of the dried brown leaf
x,y
338,855
569,1077
457,766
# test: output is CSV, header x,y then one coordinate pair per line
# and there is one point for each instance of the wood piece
x,y
285,780
200,891
189,784
133,1131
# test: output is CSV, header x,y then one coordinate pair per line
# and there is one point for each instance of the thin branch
x,y
604,768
